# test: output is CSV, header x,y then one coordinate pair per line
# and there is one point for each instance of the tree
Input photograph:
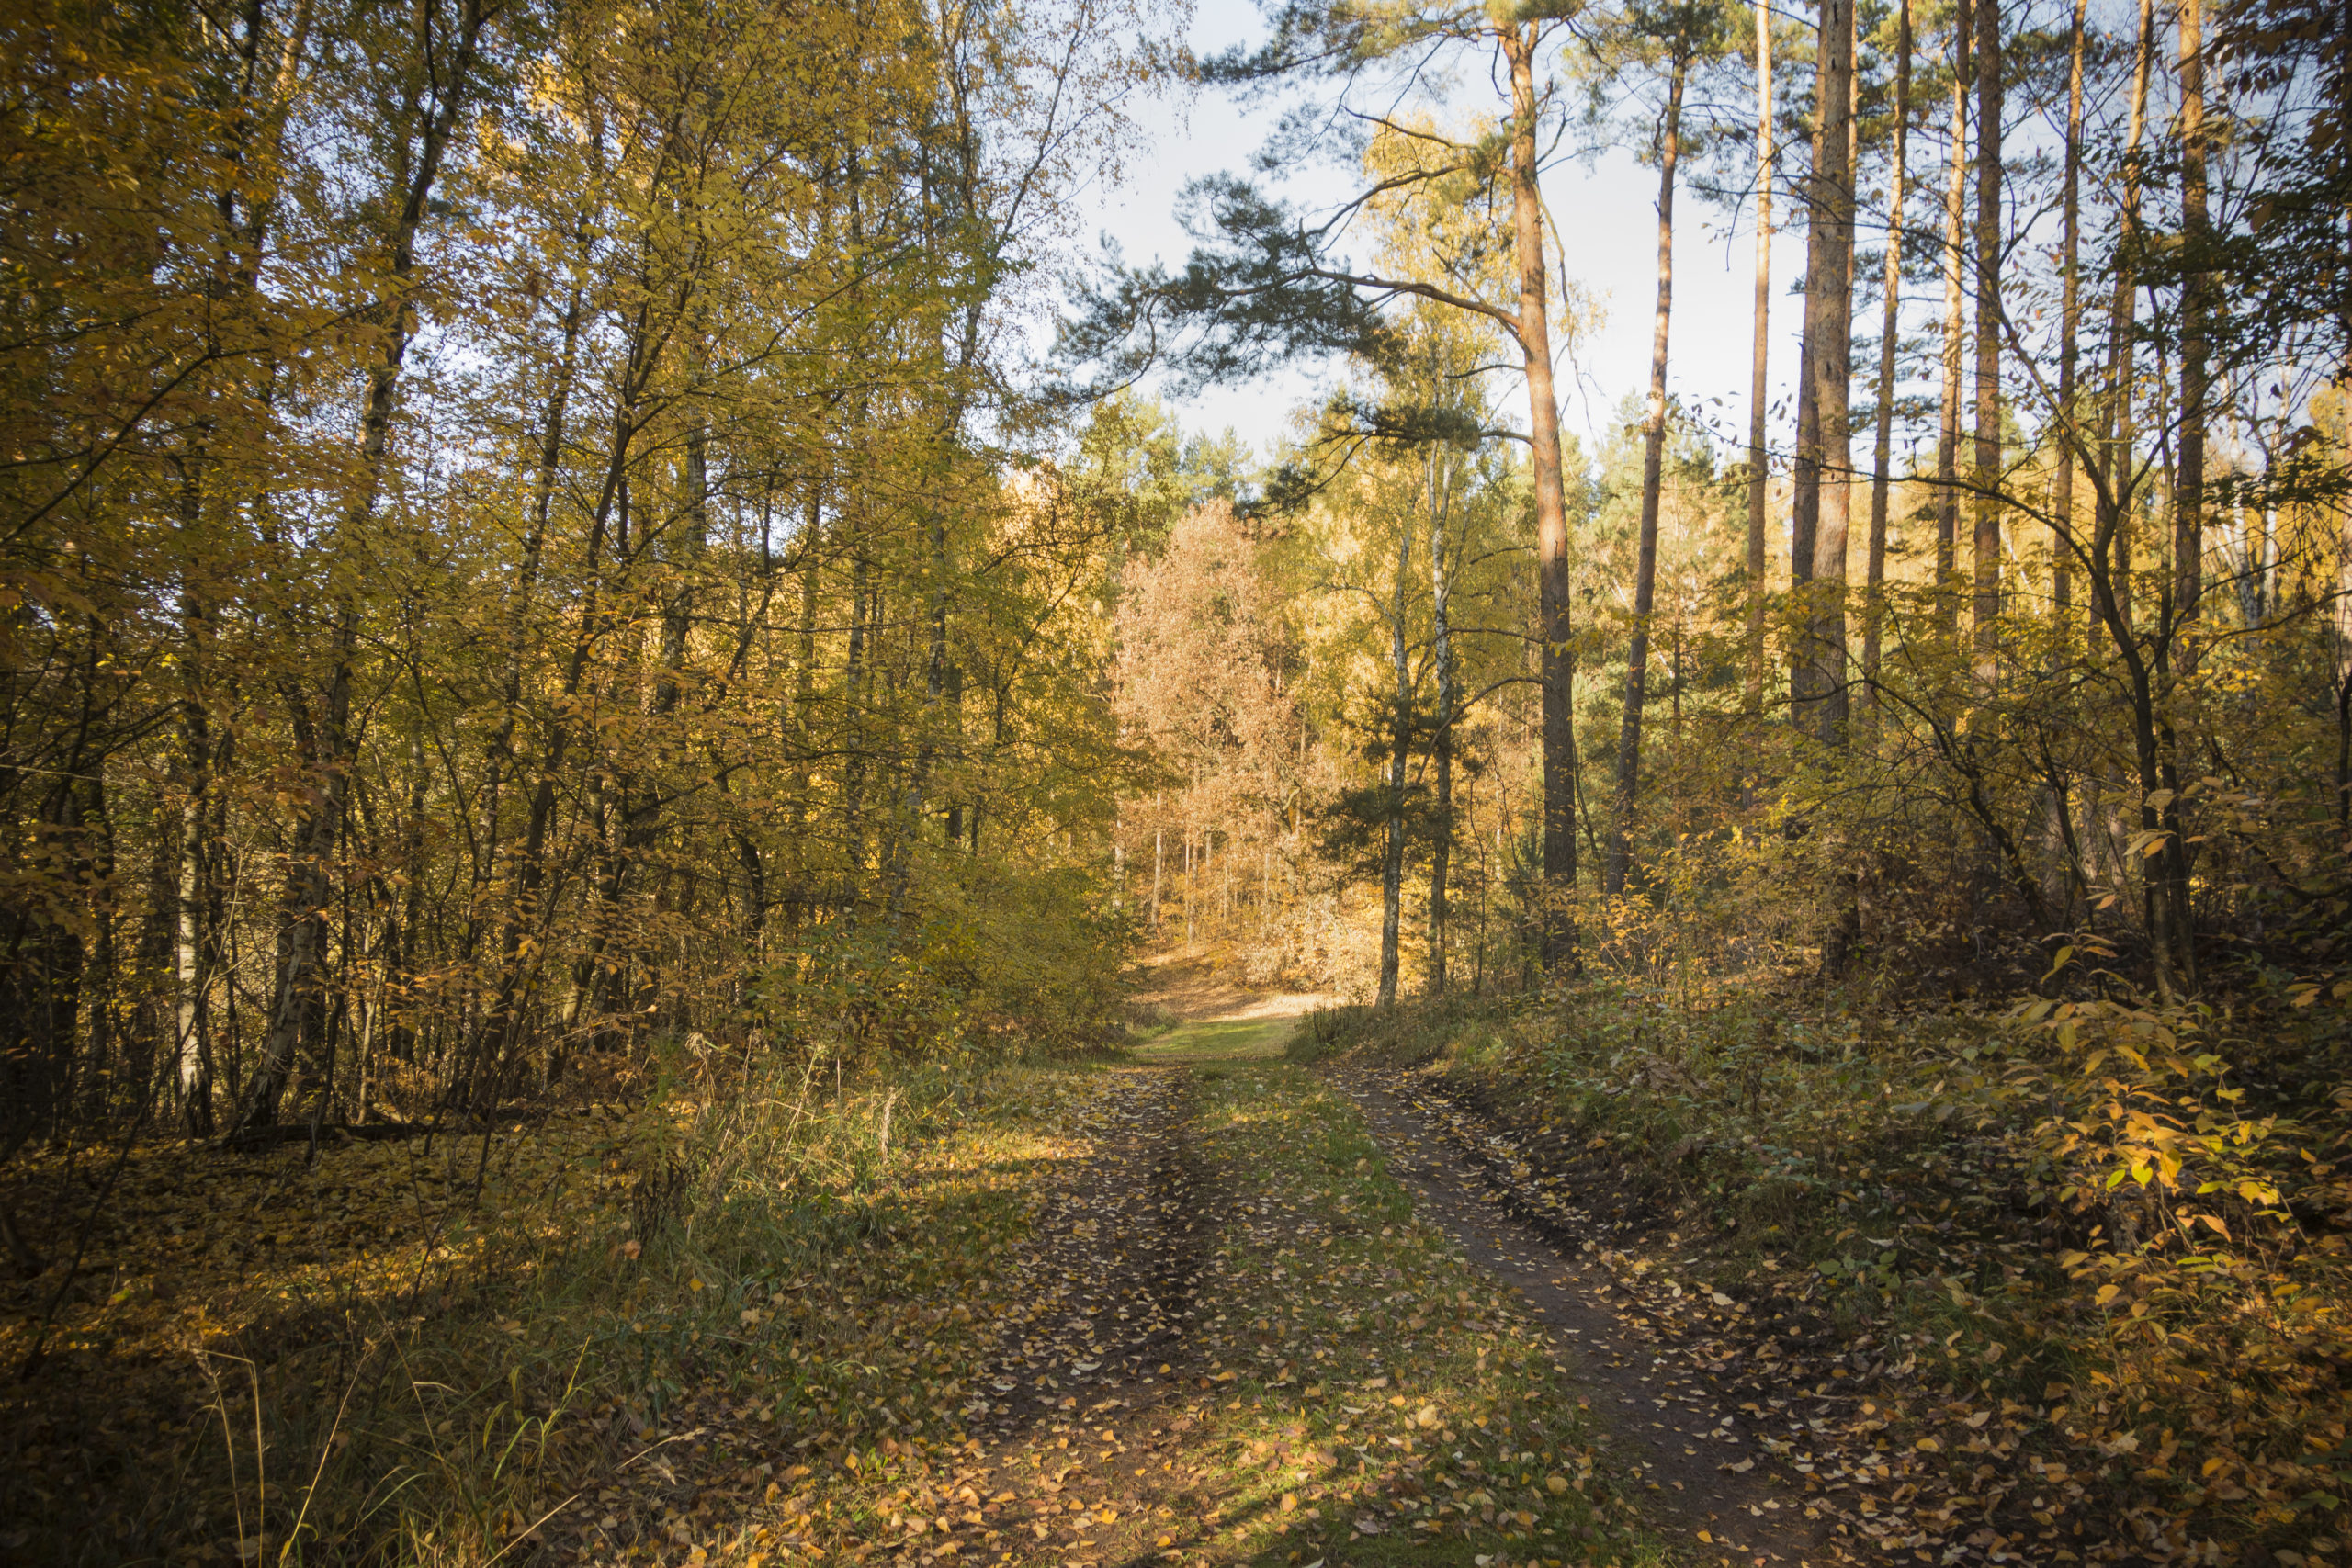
x,y
436,84
1267,283
1822,498
1680,35
516,476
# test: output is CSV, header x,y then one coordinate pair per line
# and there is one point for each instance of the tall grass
x,y
591,1293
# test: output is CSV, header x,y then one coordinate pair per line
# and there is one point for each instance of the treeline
x,y
2026,628
517,540
528,529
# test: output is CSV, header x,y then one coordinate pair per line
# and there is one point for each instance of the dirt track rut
x,y
1081,1418
1704,1469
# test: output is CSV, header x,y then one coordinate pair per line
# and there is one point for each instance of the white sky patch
x,y
1607,221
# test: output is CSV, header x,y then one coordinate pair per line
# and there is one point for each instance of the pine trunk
x,y
2064,537
1985,619
1400,749
2189,496
1759,469
1441,740
1559,669
1824,456
1955,334
1890,326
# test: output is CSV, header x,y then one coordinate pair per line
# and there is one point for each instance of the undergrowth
x,y
2128,1221
601,1330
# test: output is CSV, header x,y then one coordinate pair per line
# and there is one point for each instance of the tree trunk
x,y
1804,470
1534,334
802,730
1629,740
192,976
1955,334
1188,887
2342,624
853,758
2117,436
1441,742
1987,611
1890,326
2188,494
2063,540
1825,486
1758,469
193,967
932,733
1400,749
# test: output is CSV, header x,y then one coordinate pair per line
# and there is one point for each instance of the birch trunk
x,y
1629,741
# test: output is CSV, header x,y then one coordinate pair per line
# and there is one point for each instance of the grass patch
x,y
1380,1401
718,1323
1244,1037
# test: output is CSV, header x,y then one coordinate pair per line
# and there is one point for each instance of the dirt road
x,y
1153,1401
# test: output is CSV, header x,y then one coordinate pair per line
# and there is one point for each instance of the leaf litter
x,y
1896,1443
1146,1314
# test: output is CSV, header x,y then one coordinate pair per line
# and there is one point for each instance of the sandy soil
x,y
1184,987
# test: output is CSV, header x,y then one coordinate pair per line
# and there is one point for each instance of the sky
x,y
1608,220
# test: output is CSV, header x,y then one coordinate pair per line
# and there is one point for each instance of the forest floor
x,y
1174,1308
1202,1305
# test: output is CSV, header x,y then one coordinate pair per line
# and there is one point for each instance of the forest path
x,y
1083,1416
1223,1356
1684,1437
1104,1359
1708,1482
